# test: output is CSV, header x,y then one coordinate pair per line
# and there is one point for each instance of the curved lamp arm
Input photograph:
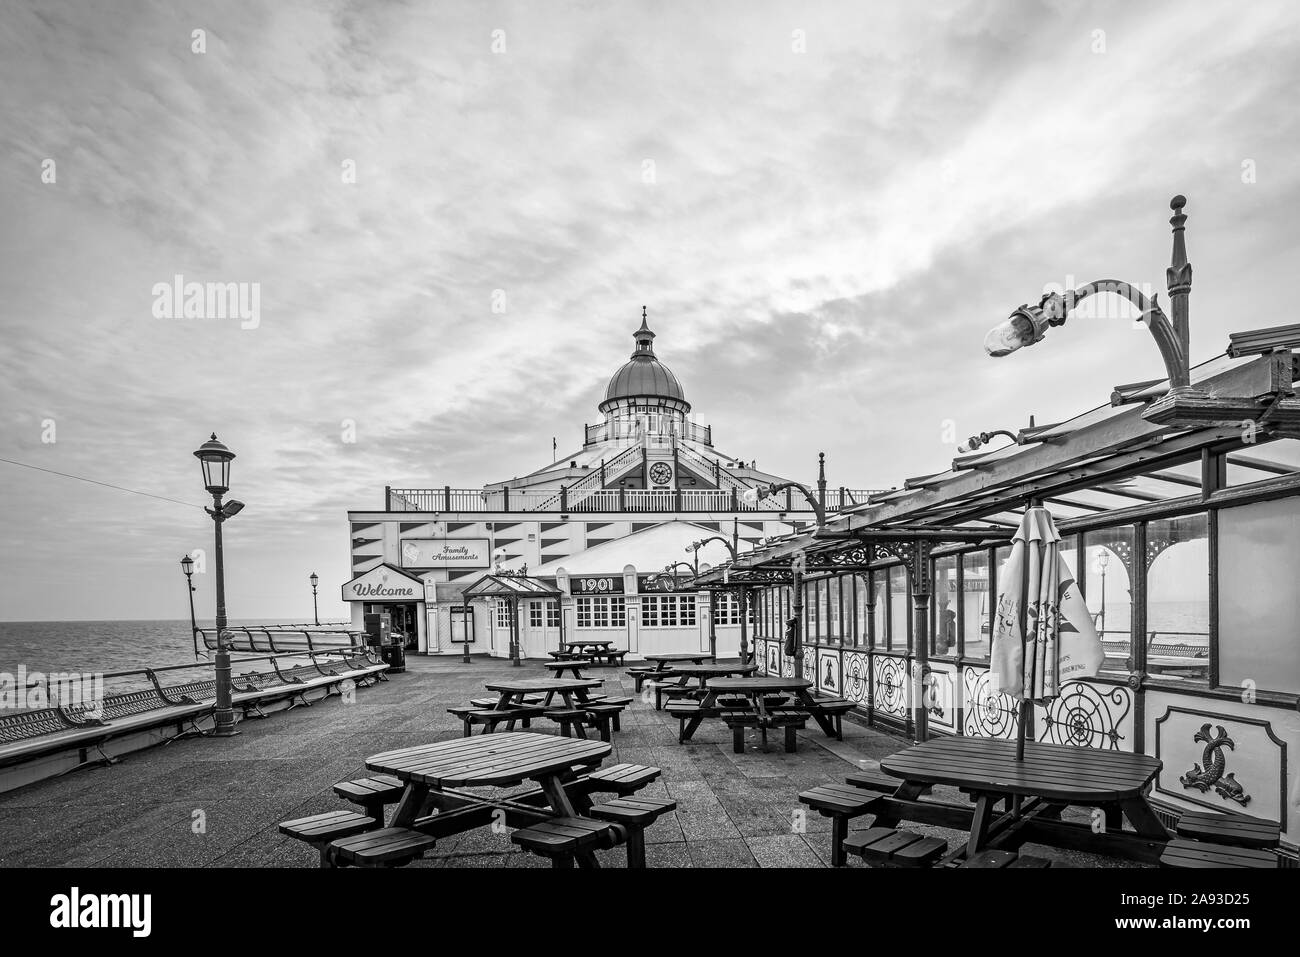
x,y
1029,324
696,546
770,490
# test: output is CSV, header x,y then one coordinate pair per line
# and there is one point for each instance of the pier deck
x,y
205,802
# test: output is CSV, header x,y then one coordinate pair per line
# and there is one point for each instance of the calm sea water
x,y
100,646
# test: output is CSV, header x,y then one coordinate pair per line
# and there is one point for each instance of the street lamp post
x,y
1103,559
694,548
315,612
187,566
215,460
756,494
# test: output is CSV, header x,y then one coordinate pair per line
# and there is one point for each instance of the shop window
x,y
687,610
1108,557
1178,598
943,607
1259,603
668,611
583,611
974,613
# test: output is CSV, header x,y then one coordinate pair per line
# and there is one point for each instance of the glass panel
x,y
898,608
975,604
1259,603
1255,463
1108,590
943,607
1178,598
880,586
833,633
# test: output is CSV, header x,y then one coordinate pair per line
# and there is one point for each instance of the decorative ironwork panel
x,y
941,697
828,672
1088,716
890,685
810,665
856,678
986,714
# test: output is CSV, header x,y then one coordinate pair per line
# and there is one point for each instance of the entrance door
x,y
404,620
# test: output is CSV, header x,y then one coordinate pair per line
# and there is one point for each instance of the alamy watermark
x,y
34,690
179,299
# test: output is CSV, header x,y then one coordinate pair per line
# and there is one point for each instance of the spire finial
x,y
643,313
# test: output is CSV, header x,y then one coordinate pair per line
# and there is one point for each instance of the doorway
x,y
404,618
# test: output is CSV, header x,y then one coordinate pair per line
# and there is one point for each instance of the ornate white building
x,y
601,523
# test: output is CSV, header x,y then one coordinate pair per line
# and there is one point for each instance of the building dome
x,y
643,378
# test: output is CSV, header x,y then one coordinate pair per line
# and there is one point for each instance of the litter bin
x,y
394,655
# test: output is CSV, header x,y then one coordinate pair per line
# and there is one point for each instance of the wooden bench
x,y
639,676
1234,830
602,715
993,858
684,711
835,709
888,847
386,847
319,830
562,838
621,779
373,794
614,656
876,780
635,815
491,717
673,692
841,803
527,702
1184,853
570,720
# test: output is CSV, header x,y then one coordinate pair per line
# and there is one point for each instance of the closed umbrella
x,y
1043,635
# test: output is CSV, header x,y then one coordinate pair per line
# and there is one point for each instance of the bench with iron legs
x,y
373,794
994,858
635,815
491,717
562,839
841,803
319,830
386,847
890,847
834,710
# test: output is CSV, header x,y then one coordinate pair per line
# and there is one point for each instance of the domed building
x,y
597,526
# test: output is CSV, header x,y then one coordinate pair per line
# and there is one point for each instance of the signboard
x,y
382,584
662,582
603,585
445,553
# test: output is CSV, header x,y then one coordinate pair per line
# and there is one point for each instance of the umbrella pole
x,y
1024,656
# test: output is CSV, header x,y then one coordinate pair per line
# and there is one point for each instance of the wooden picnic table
x,y
1051,776
435,774
702,673
663,661
588,643
754,688
560,667
513,692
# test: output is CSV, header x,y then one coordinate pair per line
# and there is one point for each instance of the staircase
x,y
596,480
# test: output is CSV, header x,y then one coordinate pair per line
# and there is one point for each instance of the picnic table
x,y
589,649
755,688
436,774
1051,777
570,689
663,661
572,665
702,673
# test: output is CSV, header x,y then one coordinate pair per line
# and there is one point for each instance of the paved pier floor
x,y
208,802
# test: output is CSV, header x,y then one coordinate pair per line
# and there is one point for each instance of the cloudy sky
x,y
824,207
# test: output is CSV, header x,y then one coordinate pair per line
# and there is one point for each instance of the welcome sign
x,y
445,553
384,583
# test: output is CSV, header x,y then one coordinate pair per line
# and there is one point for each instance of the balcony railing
x,y
625,430
448,499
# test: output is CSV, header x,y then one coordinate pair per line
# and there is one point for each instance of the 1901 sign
x,y
609,585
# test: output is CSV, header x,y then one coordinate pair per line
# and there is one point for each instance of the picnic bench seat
x,y
386,847
835,709
1235,830
640,675
622,779
873,779
889,847
684,711
561,838
789,719
994,858
602,715
614,656
1184,853
491,717
319,830
635,815
841,803
673,692
373,794
492,702
570,720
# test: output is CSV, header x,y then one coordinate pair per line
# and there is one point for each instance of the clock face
x,y
661,473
